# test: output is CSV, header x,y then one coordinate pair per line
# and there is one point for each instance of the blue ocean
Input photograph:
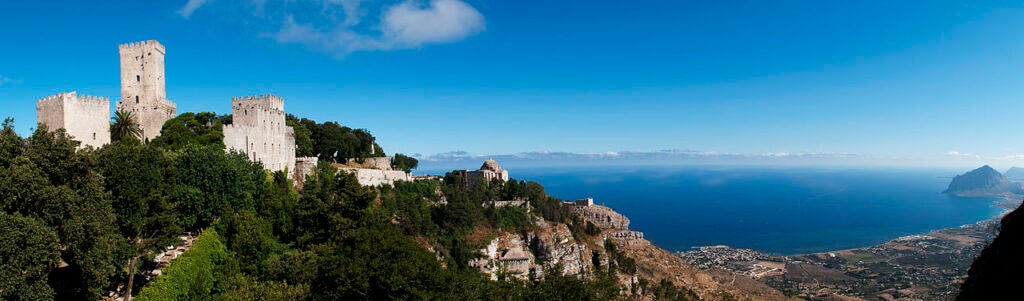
x,y
775,210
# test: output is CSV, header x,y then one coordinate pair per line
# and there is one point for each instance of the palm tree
x,y
124,124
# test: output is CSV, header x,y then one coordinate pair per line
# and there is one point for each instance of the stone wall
x,y
602,216
304,166
377,177
258,129
86,118
143,88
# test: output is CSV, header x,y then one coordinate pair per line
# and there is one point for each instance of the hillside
x,y
983,181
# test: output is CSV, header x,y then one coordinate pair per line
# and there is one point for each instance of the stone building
x,y
143,89
258,129
86,118
487,172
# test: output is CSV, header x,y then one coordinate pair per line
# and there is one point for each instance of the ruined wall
x,y
377,177
304,166
258,129
382,163
603,217
143,89
86,118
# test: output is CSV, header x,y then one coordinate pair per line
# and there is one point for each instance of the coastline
x,y
927,265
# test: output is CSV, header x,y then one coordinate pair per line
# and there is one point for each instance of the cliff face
x,y
983,181
520,254
602,216
551,243
999,271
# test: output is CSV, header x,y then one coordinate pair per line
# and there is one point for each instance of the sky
x,y
935,83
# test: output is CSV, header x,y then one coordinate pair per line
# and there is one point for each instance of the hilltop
x,y
1014,174
983,181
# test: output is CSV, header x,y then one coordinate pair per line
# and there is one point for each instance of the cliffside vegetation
x,y
93,218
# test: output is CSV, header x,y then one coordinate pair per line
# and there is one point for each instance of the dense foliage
x,y
87,221
195,274
205,128
331,141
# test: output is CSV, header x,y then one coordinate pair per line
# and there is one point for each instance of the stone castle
x,y
487,172
258,126
143,89
86,118
258,129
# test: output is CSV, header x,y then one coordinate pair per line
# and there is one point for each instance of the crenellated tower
x,y
86,118
258,129
143,89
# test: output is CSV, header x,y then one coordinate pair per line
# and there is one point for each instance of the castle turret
x,y
143,89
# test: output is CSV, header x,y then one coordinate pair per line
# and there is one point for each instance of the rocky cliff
x,y
997,273
551,244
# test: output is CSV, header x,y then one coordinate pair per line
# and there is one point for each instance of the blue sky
x,y
933,83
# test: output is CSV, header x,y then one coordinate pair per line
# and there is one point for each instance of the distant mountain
x,y
996,273
984,181
1014,174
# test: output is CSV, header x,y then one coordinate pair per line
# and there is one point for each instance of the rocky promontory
x,y
983,181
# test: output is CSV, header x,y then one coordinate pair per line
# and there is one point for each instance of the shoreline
x,y
927,265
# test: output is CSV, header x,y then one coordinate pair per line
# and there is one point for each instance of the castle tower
x,y
258,129
86,118
143,89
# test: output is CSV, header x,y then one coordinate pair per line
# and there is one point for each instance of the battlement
x,y
142,44
74,97
86,118
262,101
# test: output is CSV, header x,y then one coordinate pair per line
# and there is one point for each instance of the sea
x,y
780,211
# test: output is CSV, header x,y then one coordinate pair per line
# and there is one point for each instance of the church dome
x,y
491,165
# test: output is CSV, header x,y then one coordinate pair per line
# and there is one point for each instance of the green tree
x,y
138,177
377,264
124,124
28,252
11,145
203,128
72,201
403,162
331,202
250,239
210,183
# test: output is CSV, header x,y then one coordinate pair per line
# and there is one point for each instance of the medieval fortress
x,y
258,127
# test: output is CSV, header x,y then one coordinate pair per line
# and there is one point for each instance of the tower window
x,y
93,136
138,78
136,99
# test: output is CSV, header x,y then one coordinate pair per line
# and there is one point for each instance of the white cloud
x,y
5,81
191,7
345,26
410,25
402,26
962,155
